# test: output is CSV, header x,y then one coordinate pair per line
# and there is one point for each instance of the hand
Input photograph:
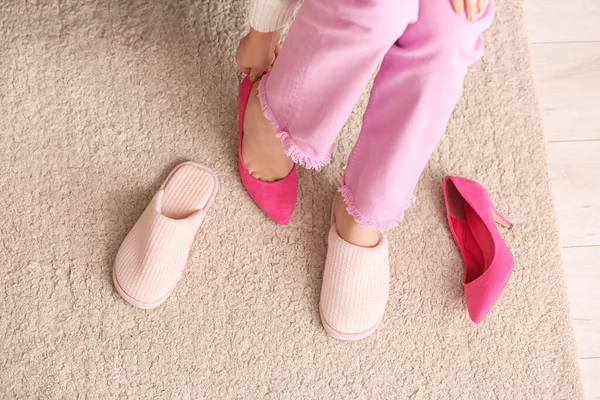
x,y
257,52
473,8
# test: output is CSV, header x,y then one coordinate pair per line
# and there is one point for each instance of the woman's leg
x,y
331,51
415,91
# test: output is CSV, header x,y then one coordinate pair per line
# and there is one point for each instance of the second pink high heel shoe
x,y
487,260
276,199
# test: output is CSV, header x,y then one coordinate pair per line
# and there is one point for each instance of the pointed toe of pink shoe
x,y
482,293
477,314
277,199
479,303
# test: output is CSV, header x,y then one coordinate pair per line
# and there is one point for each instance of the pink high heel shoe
x,y
276,199
487,260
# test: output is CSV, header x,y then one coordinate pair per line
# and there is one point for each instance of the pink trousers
x,y
332,49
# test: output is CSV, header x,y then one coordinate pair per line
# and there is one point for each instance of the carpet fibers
x,y
100,99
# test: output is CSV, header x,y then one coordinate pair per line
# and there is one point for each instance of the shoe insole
x,y
475,240
471,235
187,191
479,244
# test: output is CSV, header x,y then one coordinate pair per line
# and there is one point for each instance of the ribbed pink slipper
x,y
356,284
152,257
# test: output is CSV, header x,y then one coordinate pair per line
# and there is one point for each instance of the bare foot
x,y
262,151
350,230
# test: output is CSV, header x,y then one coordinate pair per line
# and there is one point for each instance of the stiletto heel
x,y
500,220
487,260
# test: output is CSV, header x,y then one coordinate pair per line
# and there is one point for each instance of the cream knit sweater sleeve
x,y
270,15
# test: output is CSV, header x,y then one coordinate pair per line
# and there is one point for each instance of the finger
x,y
481,6
255,74
471,8
271,61
458,6
238,60
275,55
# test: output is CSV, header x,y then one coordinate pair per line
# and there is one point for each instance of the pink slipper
x,y
356,284
152,257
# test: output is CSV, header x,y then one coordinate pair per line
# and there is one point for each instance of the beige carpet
x,y
99,100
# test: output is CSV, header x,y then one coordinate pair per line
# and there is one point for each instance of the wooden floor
x,y
565,43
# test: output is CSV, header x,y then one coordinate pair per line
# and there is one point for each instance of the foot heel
x,y
499,219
